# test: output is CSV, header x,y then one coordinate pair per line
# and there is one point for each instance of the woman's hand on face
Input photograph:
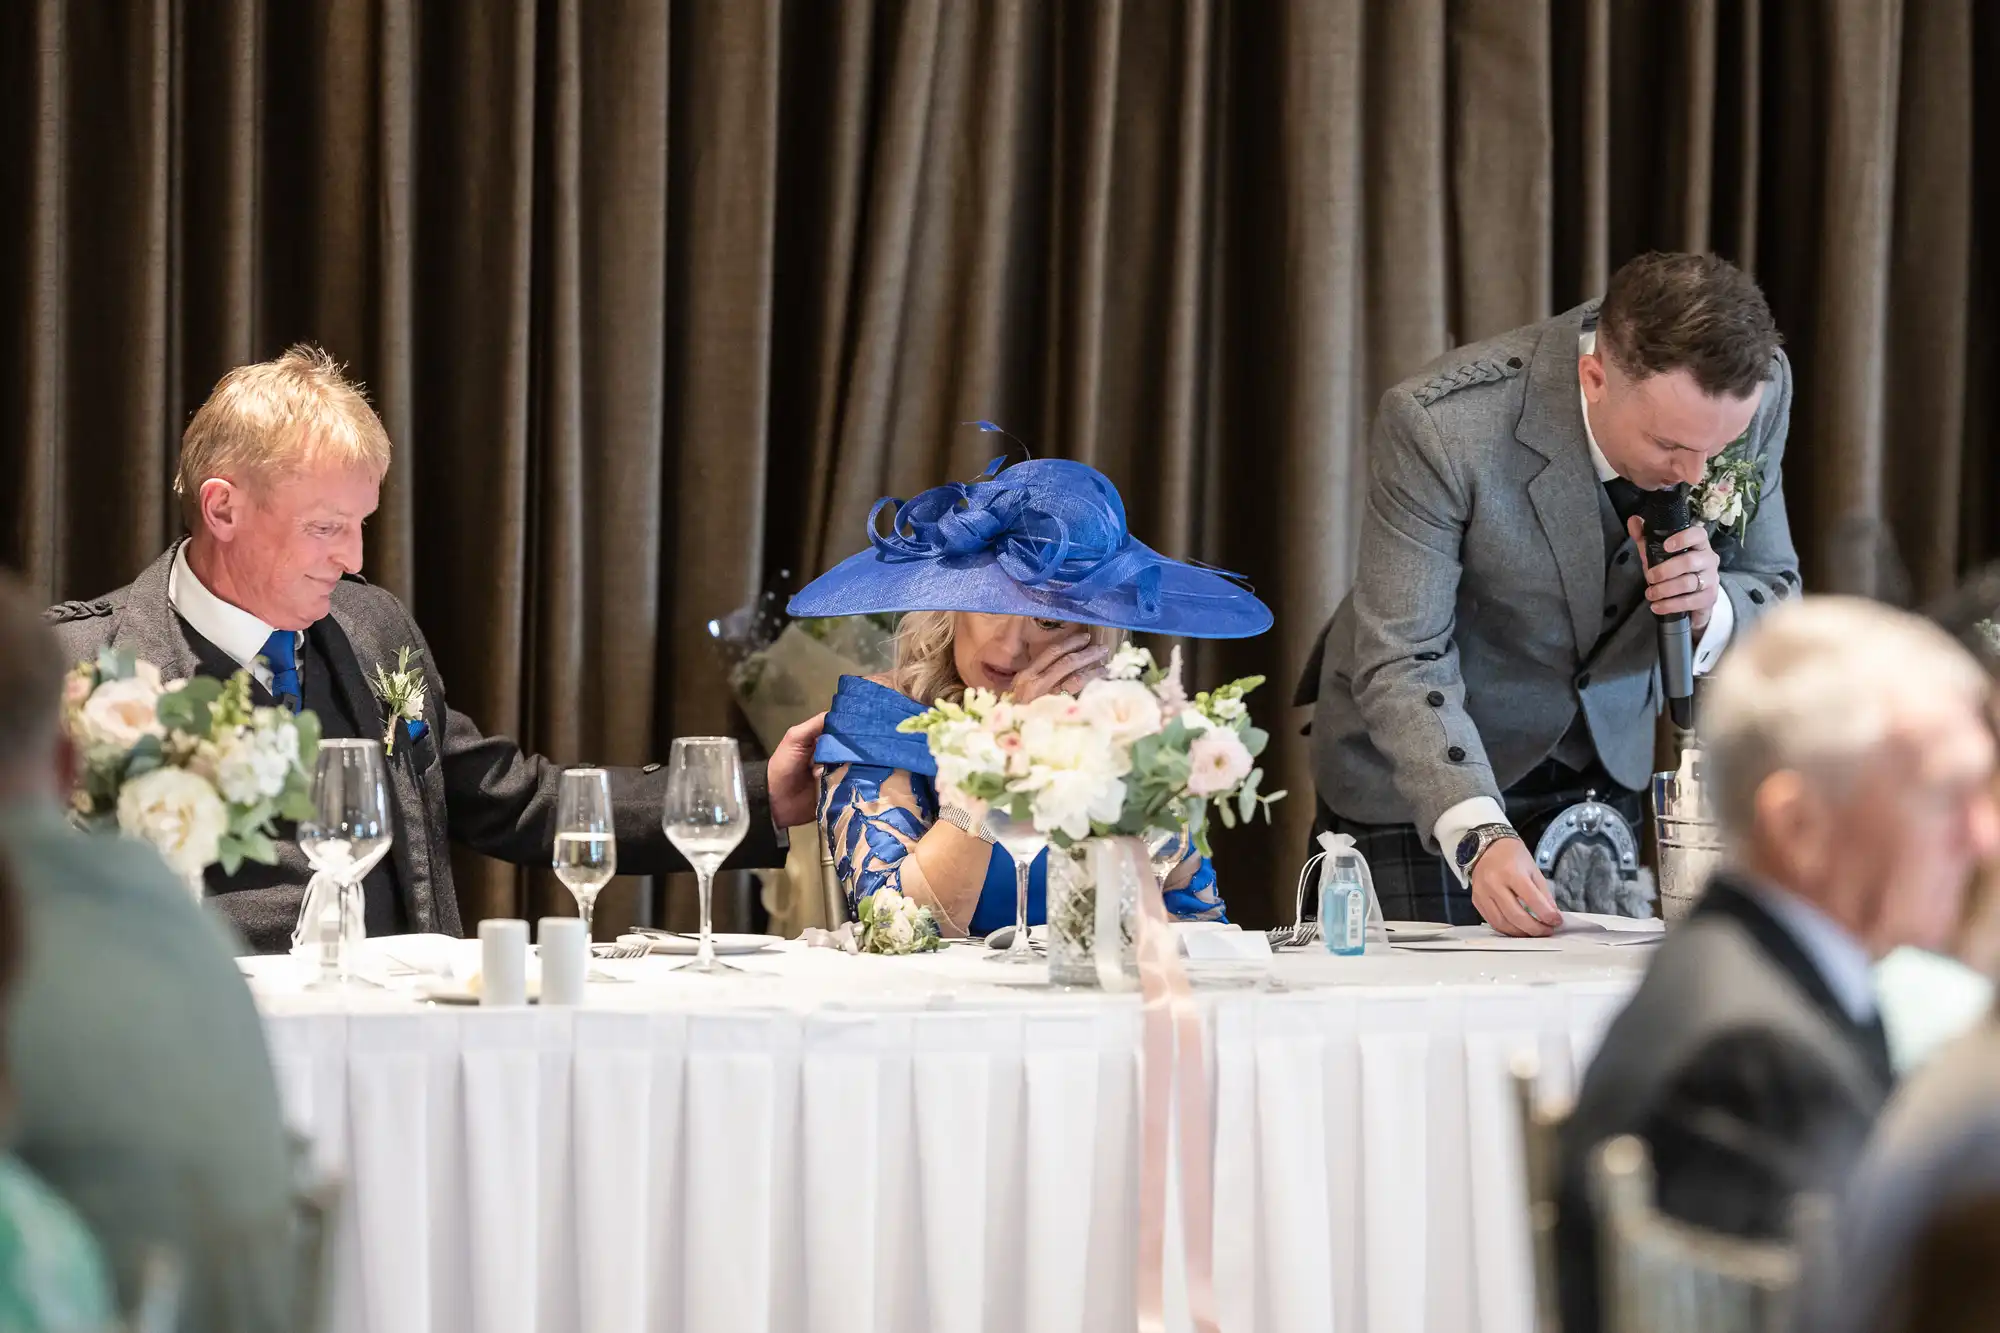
x,y
1064,667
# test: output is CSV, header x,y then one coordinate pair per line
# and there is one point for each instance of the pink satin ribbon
x,y
1172,1027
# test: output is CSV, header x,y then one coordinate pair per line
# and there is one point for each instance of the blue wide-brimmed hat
x,y
1044,538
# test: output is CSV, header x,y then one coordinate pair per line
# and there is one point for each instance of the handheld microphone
x,y
1665,513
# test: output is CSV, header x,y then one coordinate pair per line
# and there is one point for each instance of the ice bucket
x,y
1690,844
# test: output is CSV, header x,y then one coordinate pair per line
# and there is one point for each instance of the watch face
x,y
1468,848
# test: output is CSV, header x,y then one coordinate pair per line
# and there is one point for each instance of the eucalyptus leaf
x,y
229,851
1255,739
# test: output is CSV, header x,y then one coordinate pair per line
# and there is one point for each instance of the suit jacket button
x,y
1625,557
1756,596
1513,363
1456,754
1428,657
1435,698
1583,681
1611,613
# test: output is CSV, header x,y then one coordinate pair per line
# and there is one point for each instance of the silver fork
x,y
619,950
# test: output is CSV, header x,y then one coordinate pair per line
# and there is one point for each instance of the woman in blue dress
x,y
1021,582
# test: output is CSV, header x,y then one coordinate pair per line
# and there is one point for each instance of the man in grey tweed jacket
x,y
1497,655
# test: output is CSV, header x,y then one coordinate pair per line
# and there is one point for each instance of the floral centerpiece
x,y
188,765
1131,755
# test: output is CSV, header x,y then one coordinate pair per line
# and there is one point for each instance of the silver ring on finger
x,y
1700,585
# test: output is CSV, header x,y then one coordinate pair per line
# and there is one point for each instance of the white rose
x,y
1124,709
1229,710
178,813
1734,513
1218,761
120,712
1077,746
1067,801
900,933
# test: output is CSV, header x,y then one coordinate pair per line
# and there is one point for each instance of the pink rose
x,y
1218,762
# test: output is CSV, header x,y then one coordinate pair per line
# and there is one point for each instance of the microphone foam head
x,y
1666,512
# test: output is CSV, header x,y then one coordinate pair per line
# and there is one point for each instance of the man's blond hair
x,y
272,418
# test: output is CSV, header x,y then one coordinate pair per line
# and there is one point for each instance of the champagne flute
x,y
706,815
586,850
348,833
1024,842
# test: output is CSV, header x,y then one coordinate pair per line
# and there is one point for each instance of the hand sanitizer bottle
x,y
1343,904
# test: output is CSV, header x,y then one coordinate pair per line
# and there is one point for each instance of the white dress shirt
x,y
1842,960
232,629
1469,814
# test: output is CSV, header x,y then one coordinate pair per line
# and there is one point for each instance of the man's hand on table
x,y
1507,887
789,779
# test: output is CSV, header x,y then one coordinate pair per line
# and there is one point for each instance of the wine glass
x,y
1024,842
1166,850
706,815
586,850
348,833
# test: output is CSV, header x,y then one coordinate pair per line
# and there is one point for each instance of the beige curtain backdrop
x,y
657,298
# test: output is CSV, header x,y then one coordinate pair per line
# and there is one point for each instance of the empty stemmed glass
x,y
347,835
706,816
1024,842
1165,851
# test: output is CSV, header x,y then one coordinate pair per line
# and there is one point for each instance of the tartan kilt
x,y
1415,885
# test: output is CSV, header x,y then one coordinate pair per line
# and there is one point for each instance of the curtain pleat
x,y
657,298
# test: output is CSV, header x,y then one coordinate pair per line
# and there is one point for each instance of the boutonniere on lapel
x,y
402,693
1989,636
1728,494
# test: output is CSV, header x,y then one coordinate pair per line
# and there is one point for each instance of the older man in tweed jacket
x,y
1497,658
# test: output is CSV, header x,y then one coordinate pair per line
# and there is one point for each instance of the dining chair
x,y
1662,1275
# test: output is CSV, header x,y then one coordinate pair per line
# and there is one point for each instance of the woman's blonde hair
x,y
925,668
267,419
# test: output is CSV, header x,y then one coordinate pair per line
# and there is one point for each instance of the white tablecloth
x,y
901,1144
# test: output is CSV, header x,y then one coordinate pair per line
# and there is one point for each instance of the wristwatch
x,y
961,819
1475,842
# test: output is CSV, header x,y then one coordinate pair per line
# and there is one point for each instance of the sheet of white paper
x,y
1493,944
1219,945
1578,923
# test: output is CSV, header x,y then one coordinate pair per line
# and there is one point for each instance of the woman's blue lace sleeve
x,y
870,818
1198,899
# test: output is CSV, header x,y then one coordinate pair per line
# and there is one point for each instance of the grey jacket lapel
x,y
148,626
420,807
1565,492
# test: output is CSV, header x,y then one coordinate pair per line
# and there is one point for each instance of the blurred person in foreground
x,y
1925,1197
279,469
1852,768
143,1089
52,1276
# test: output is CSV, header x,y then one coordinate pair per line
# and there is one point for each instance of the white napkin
x,y
1584,923
322,893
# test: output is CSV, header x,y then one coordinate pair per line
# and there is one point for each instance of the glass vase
x,y
1074,924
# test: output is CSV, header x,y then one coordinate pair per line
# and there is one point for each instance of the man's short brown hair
x,y
265,419
1698,313
31,675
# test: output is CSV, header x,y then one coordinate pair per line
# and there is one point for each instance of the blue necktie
x,y
281,652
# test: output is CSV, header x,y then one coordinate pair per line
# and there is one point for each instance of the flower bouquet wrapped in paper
x,y
784,671
188,765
